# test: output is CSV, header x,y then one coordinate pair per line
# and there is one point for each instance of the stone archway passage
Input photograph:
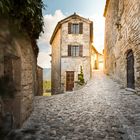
x,y
130,70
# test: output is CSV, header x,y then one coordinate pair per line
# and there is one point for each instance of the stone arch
x,y
12,69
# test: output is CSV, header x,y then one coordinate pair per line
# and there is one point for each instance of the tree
x,y
26,15
81,76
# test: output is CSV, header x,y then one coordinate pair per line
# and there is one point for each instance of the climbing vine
x,y
28,13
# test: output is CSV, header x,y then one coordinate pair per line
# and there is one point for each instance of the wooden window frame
x,y
72,50
75,28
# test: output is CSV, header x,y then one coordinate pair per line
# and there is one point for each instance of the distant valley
x,y
47,74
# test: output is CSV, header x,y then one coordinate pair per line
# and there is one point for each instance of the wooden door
x,y
69,80
130,70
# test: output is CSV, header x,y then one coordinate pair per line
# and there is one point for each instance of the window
x,y
75,28
75,50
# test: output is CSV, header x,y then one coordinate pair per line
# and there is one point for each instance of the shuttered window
x,y
75,28
75,50
81,28
69,28
81,50
69,50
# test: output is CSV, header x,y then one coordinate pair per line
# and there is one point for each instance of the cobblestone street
x,y
102,110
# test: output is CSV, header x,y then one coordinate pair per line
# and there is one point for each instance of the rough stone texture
x,y
19,62
1,62
122,33
96,59
61,62
55,64
40,80
102,110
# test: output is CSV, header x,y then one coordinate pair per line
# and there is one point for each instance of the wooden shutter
x,y
81,50
81,28
69,28
69,50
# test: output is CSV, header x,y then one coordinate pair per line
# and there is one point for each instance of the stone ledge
x,y
131,90
135,91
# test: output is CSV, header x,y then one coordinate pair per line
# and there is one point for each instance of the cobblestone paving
x,y
102,110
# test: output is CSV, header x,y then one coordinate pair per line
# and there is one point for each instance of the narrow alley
x,y
102,110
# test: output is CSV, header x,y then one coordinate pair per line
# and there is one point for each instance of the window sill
x,y
73,56
75,34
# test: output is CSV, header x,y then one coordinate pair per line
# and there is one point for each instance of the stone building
x,y
122,41
96,59
101,61
71,48
18,59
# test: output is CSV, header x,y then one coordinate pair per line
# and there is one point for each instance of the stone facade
x,y
61,61
18,61
40,80
55,64
96,59
122,36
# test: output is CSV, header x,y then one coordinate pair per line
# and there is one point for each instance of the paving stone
x,y
99,111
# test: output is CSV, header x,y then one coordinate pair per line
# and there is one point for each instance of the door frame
x,y
67,80
130,73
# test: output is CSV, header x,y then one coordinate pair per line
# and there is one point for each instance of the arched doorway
x,y
130,70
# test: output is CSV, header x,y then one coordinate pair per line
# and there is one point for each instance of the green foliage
x,y
7,87
28,13
47,85
81,77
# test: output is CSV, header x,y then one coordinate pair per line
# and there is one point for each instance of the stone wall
x,y
110,36
28,77
1,61
122,33
55,67
40,80
94,59
101,61
18,61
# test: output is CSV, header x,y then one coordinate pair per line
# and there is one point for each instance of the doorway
x,y
130,70
69,80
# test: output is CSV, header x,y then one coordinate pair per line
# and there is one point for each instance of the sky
x,y
56,10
